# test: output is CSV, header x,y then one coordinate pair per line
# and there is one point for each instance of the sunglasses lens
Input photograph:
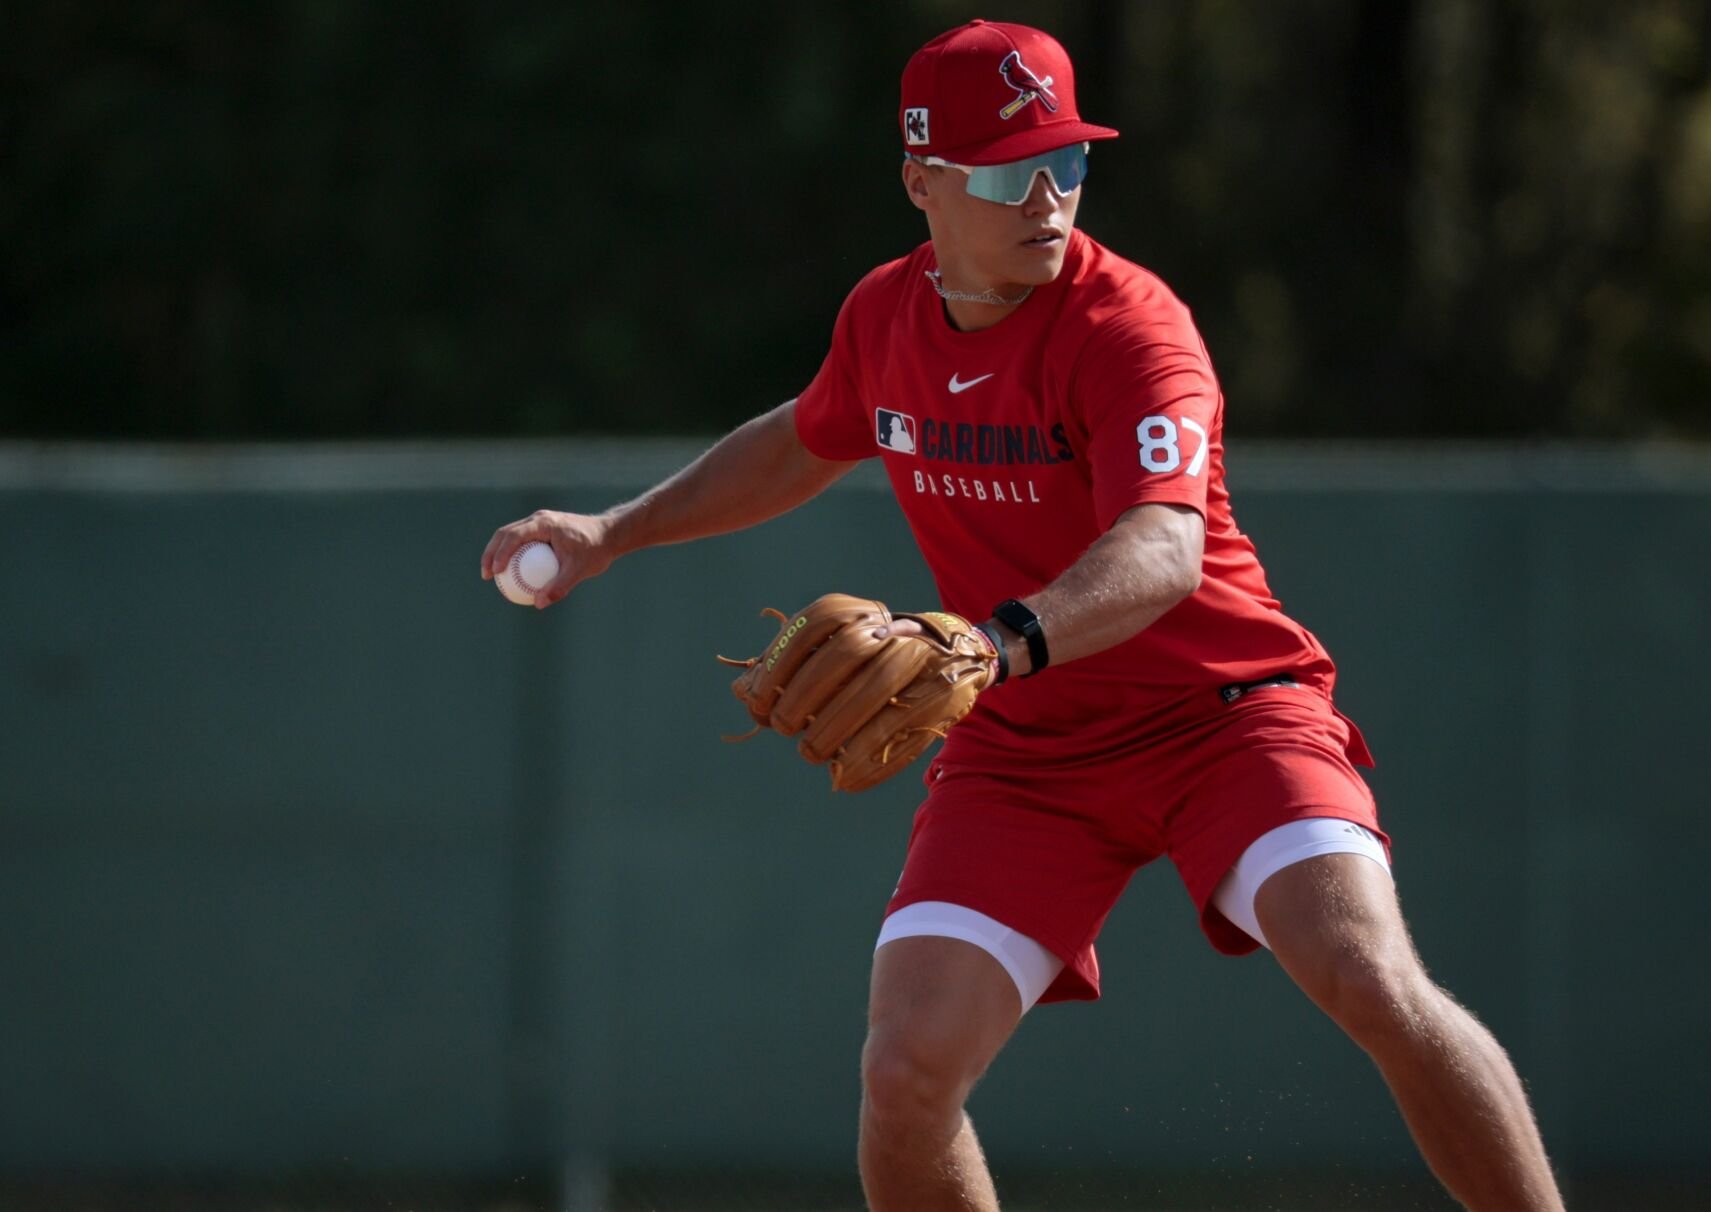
x,y
1011,183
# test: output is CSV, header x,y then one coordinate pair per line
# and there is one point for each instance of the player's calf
x,y
1334,926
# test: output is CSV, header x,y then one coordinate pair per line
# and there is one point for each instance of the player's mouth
x,y
1050,238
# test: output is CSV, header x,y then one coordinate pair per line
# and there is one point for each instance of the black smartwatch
x,y
1025,623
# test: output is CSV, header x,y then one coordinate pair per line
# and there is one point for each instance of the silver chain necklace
x,y
989,295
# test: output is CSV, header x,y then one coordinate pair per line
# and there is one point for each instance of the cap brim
x,y
1030,141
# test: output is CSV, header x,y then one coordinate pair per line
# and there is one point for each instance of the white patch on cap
x,y
915,127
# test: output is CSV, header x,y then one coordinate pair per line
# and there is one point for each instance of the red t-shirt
x,y
1013,448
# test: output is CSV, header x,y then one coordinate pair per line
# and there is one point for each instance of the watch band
x,y
1026,624
991,633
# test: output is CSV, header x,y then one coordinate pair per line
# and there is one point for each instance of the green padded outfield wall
x,y
315,854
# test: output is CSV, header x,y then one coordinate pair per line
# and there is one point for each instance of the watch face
x,y
1018,616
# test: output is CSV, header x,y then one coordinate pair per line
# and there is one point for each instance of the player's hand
x,y
868,691
582,542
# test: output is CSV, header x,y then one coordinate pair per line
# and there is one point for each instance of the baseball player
x,y
1052,427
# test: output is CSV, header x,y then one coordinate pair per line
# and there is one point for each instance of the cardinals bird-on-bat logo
x,y
1027,85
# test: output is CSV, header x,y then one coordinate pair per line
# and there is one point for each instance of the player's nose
x,y
1042,199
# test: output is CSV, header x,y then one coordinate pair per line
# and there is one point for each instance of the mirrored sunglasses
x,y
1065,169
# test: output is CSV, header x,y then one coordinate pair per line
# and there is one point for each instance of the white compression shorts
x,y
1033,968
1284,847
1030,965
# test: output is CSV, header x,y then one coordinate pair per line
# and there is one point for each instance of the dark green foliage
x,y
1392,217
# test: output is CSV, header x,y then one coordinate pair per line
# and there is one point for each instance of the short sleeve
x,y
1150,408
831,419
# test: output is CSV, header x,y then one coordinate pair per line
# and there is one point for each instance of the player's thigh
x,y
939,1010
1036,855
1276,762
1334,924
1285,846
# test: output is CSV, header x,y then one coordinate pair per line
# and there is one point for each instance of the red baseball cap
x,y
989,93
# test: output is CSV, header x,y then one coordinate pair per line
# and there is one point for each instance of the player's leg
x,y
939,1011
1278,844
1002,893
1334,925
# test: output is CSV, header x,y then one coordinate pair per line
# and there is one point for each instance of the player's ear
x,y
915,183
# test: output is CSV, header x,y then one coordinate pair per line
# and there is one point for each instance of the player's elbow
x,y
1176,552
1166,546
1187,547
1178,575
1187,576
1166,572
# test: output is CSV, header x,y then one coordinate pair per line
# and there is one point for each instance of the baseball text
x,y
944,484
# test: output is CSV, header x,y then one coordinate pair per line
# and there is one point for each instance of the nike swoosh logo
x,y
957,388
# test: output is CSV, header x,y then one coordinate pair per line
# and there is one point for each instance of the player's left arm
x,y
1147,411
1147,562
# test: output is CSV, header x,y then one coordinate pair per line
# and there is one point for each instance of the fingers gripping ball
x,y
530,569
865,706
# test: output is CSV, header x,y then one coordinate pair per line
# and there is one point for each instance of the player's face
x,y
984,244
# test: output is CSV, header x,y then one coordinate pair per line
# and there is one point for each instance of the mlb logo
x,y
915,126
895,431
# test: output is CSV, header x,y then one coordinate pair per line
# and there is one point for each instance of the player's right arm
x,y
757,471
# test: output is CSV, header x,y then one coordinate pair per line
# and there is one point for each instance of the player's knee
x,y
910,1085
1375,995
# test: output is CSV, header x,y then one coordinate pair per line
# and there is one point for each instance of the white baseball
x,y
530,569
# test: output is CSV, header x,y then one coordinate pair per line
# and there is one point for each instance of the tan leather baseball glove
x,y
866,707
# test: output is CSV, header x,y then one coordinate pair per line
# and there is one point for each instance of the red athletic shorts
x,y
1047,850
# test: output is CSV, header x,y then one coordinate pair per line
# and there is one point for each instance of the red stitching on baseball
x,y
517,570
